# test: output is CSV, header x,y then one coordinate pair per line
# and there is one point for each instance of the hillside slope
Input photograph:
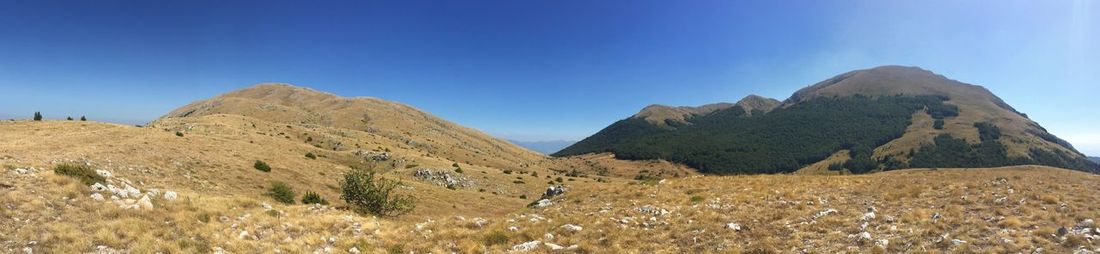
x,y
287,104
889,117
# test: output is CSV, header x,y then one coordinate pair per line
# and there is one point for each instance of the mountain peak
x,y
756,102
660,114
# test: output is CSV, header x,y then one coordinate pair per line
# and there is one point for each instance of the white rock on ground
x,y
97,197
733,226
865,236
527,246
144,203
480,222
553,246
353,250
98,187
22,171
133,192
543,203
103,173
170,195
548,236
572,228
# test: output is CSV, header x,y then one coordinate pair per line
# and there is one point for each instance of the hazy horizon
x,y
540,70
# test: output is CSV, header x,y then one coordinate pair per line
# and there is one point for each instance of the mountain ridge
x,y
923,110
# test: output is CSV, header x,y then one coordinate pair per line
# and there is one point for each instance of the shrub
x,y
313,198
458,170
495,238
281,192
696,199
261,166
179,134
83,173
311,156
69,118
368,194
82,118
938,124
37,116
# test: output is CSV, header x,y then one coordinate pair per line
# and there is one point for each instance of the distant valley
x,y
544,147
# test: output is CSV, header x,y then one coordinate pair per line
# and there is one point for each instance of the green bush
x,y
82,118
696,199
311,156
367,194
37,116
179,134
261,166
83,173
313,198
938,124
281,192
495,238
69,118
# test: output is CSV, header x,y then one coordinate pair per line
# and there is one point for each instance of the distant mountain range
x,y
544,147
1095,159
884,118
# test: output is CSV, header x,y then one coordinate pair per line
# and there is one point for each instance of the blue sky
x,y
538,70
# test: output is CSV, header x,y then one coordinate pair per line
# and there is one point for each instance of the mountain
x,y
883,118
1095,159
284,103
544,147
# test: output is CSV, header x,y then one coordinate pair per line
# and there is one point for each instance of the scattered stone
x,y
1087,223
98,187
882,243
480,222
554,246
513,228
868,216
103,173
548,236
824,213
170,195
957,242
266,206
97,197
572,228
353,250
527,246
22,171
444,178
733,226
242,235
543,203
936,216
144,203
865,237
553,191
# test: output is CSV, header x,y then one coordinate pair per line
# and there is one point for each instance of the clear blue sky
x,y
538,70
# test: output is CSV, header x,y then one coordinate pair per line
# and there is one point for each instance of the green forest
x,y
786,139
783,140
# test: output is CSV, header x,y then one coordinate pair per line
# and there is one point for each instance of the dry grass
x,y
211,167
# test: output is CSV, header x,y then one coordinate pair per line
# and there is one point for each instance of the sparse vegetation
x,y
82,119
38,116
261,166
369,194
85,174
495,238
313,198
281,192
179,134
311,156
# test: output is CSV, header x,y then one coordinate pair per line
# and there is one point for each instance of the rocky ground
x,y
199,194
